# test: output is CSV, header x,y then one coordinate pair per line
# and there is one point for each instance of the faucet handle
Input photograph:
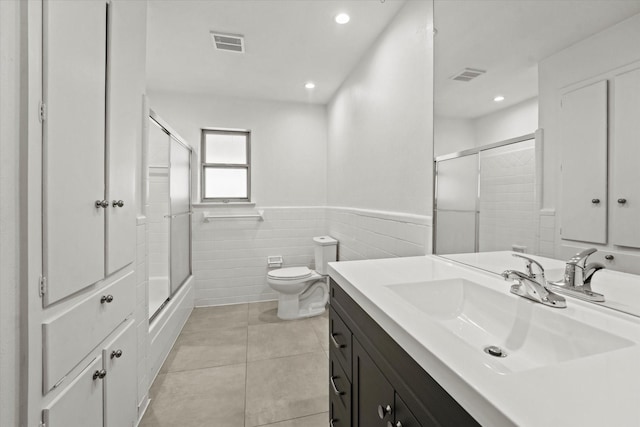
x,y
580,256
529,262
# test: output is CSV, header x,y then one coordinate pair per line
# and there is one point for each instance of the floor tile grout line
x,y
291,419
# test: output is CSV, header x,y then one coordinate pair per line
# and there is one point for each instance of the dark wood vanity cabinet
x,y
374,382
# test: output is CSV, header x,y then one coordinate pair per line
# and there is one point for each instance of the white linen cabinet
x,y
88,149
625,166
93,55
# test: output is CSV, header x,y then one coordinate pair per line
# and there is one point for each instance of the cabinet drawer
x,y
80,404
70,337
340,341
338,415
339,386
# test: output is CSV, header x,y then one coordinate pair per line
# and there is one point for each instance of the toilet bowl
x,y
303,292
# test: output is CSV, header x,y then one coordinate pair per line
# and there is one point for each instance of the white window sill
x,y
222,205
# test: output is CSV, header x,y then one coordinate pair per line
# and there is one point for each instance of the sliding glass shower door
x,y
168,214
180,224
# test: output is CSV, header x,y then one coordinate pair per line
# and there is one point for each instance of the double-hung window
x,y
226,166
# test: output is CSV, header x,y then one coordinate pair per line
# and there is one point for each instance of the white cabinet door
x,y
625,172
120,397
74,135
126,85
584,164
80,404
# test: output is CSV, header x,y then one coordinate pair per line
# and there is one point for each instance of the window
x,y
226,168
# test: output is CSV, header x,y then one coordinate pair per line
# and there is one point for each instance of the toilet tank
x,y
326,251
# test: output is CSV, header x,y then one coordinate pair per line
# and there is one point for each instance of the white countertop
x,y
598,390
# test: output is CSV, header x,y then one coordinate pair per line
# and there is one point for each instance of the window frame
x,y
204,165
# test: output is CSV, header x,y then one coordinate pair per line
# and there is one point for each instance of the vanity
x,y
425,341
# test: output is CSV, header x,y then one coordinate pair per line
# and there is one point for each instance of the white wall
x,y
288,141
517,120
452,135
380,121
10,106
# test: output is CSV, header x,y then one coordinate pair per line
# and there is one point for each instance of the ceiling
x,y
287,42
508,38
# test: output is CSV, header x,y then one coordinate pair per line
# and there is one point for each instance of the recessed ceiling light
x,y
499,98
342,18
310,85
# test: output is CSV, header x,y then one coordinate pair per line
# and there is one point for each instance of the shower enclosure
x,y
168,213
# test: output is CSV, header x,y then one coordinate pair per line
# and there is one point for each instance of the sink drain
x,y
495,351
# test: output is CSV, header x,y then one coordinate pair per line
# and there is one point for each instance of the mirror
x,y
502,70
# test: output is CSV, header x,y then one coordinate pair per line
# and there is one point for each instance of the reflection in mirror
x,y
533,134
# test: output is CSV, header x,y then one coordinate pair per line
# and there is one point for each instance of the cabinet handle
x,y
118,203
595,201
102,204
335,388
397,424
106,298
384,411
116,354
336,344
331,422
99,374
622,201
609,257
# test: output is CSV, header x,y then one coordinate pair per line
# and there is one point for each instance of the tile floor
x,y
241,366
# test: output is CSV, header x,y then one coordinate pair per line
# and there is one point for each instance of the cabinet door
x,y
373,396
119,356
625,173
124,126
80,404
74,41
584,164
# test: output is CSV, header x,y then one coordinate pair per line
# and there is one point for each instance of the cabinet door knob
x,y
116,354
622,201
397,424
117,203
336,344
331,422
609,257
595,201
102,204
106,298
384,411
99,374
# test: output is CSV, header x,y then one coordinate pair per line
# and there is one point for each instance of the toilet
x,y
303,292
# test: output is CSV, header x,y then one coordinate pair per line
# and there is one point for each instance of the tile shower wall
x,y
158,225
368,234
230,255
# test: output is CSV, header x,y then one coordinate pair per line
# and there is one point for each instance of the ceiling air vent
x,y
467,74
229,42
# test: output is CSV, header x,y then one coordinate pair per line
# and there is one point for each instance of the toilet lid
x,y
291,273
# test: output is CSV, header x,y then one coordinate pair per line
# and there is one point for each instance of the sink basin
x,y
530,335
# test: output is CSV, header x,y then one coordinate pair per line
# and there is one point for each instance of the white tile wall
x,y
507,199
230,255
368,234
547,233
158,225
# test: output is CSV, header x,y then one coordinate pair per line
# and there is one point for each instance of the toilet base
x,y
312,302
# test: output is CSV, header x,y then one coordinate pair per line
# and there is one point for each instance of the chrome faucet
x,y
532,285
577,277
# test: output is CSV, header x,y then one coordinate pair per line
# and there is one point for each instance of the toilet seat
x,y
290,273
